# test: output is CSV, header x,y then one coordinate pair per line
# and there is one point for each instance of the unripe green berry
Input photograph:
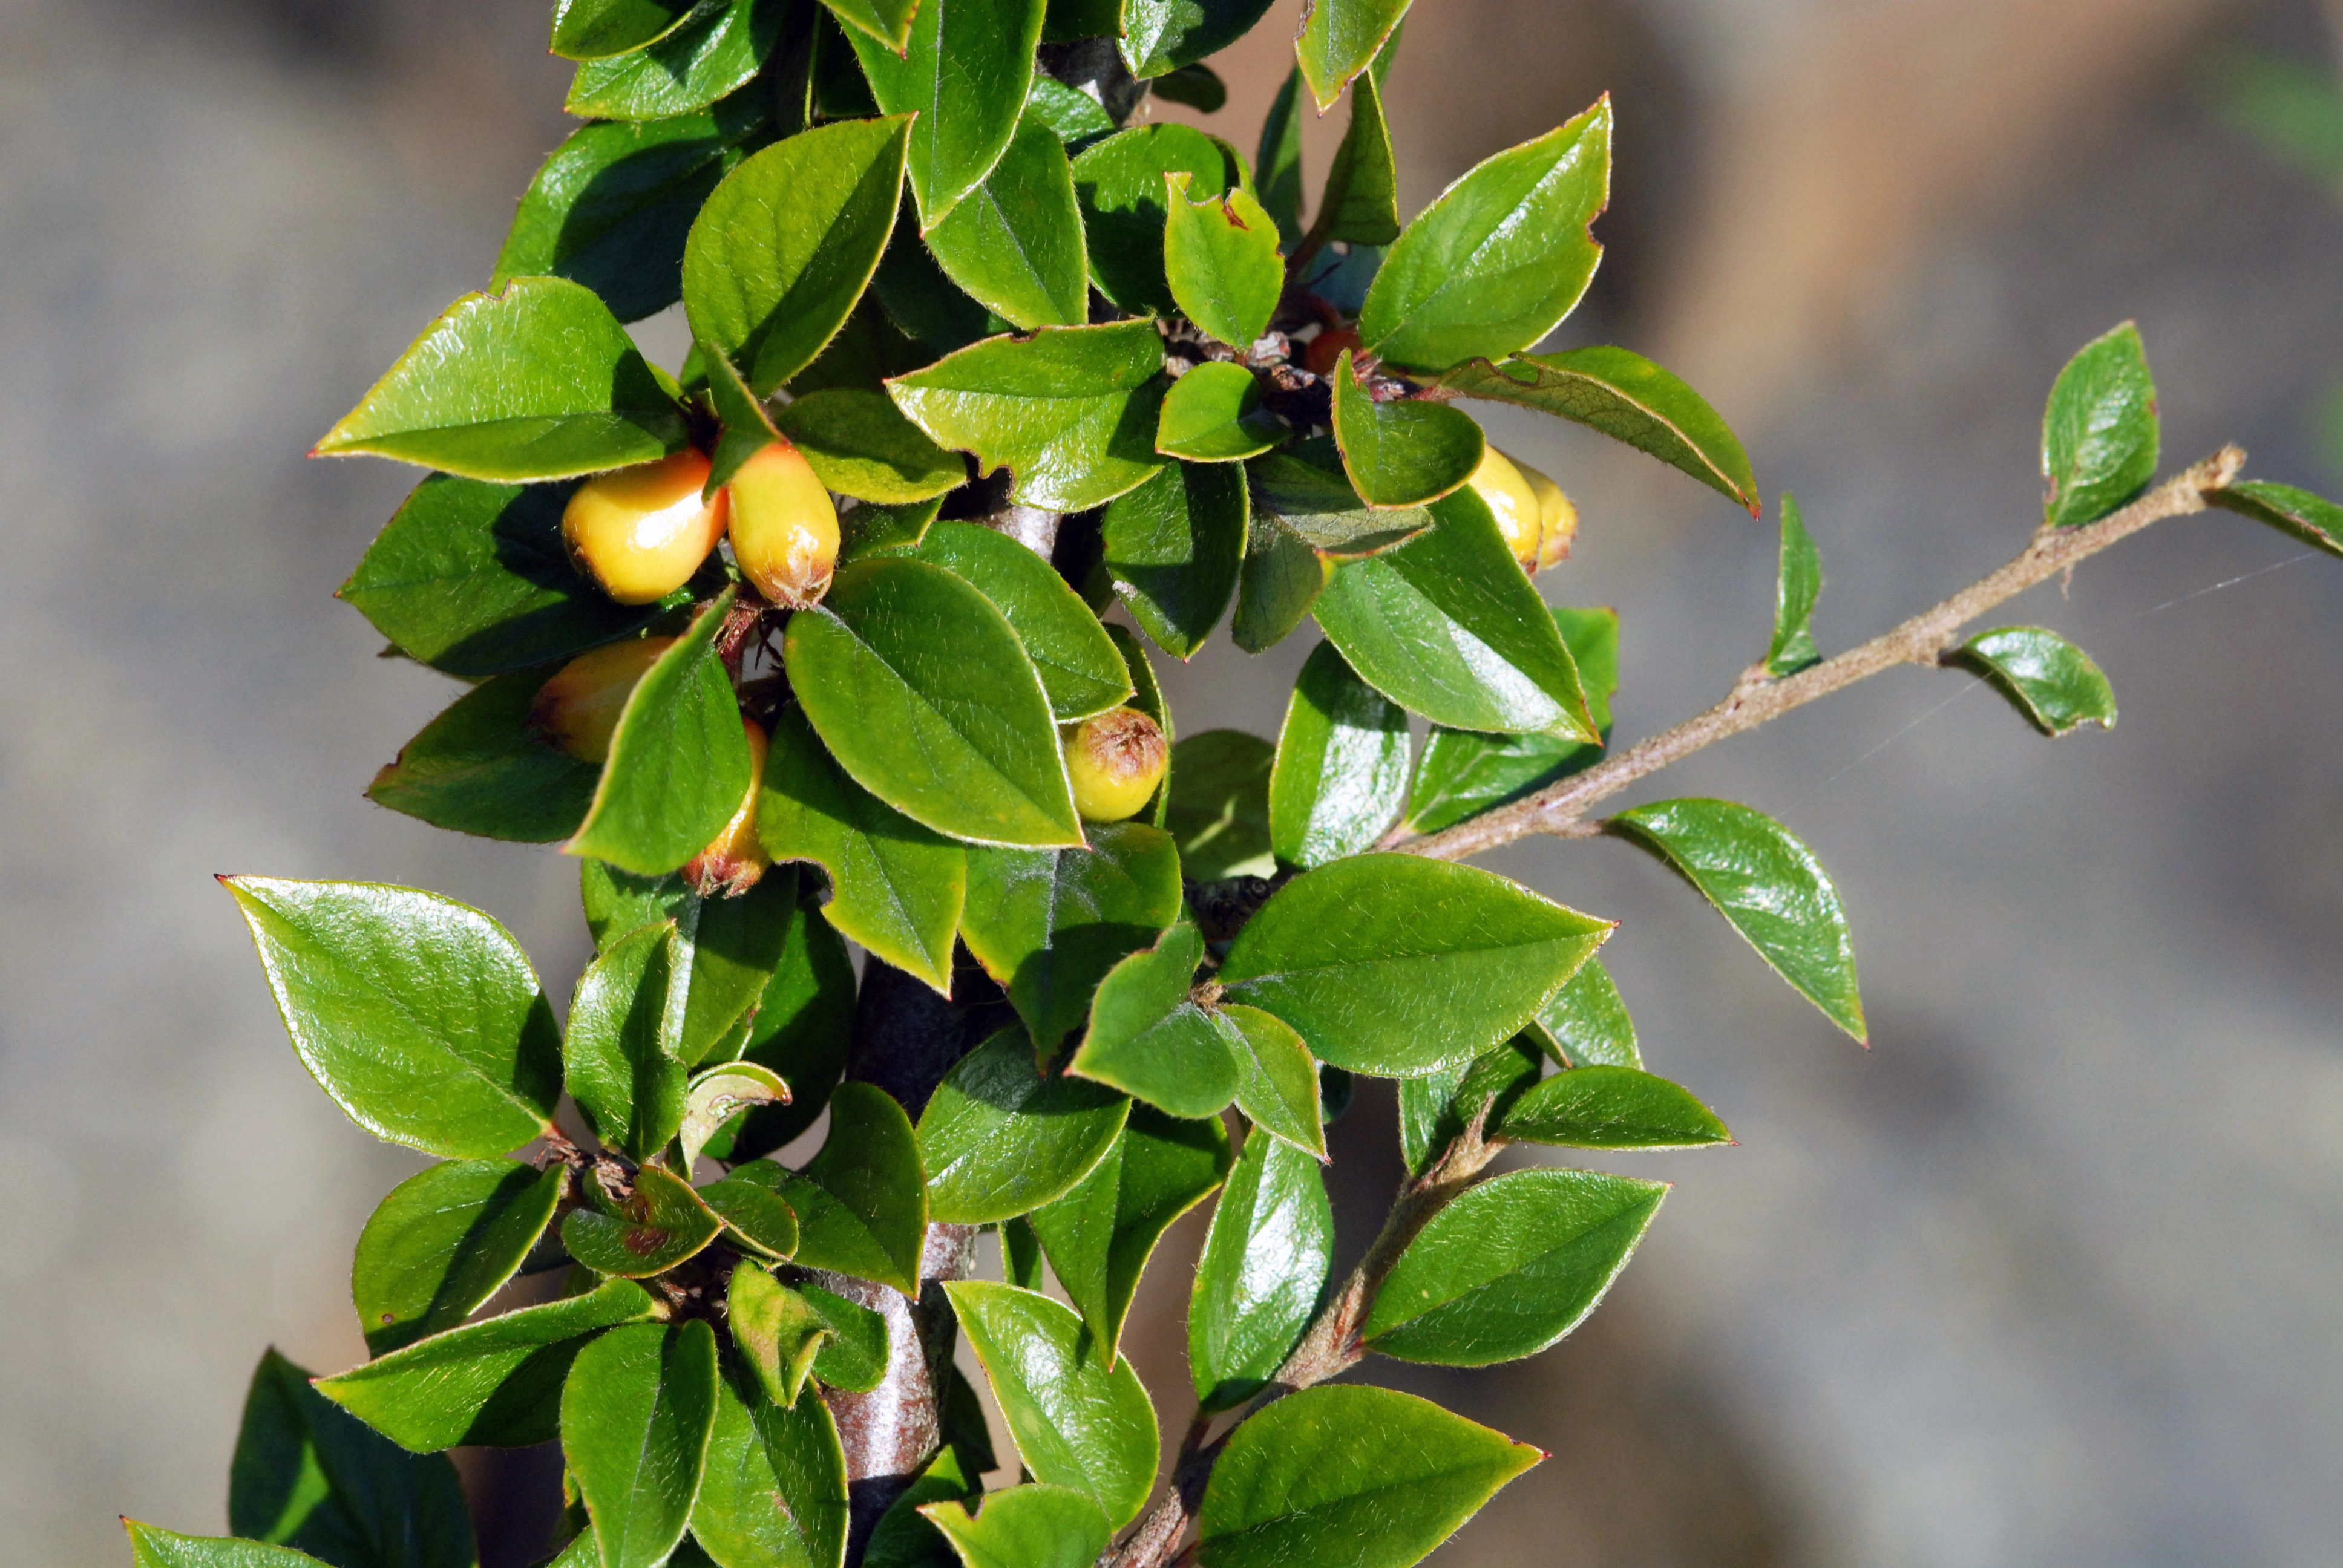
x,y
1116,762
641,532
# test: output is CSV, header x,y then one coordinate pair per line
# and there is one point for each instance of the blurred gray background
x,y
2050,1275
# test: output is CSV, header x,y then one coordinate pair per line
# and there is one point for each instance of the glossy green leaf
x,y
309,1475
619,1051
153,1548
421,1017
786,246
762,1453
1799,585
1221,260
876,1217
2314,520
1397,965
1048,924
647,1231
756,1219
1219,804
636,1412
1174,548
1149,1038
887,21
1611,1107
1280,582
1586,1024
2054,683
538,382
1077,1421
1628,398
854,1357
1341,38
1266,1262
708,57
1072,114
863,1240
1769,886
1307,491
1511,1266
1277,1080
1071,411
746,425
1463,773
904,1537
496,1382
443,1241
964,76
718,1095
925,696
2100,434
1277,162
1214,414
1502,256
1342,766
1015,242
1160,36
1349,1477
1435,1109
481,768
591,29
1121,184
1447,626
860,444
1080,669
1000,1139
1030,1527
1360,205
731,945
474,580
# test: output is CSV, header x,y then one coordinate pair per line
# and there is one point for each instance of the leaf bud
x,y
784,527
641,532
1116,760
578,710
735,859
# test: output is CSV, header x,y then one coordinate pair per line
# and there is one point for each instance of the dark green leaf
x,y
1341,38
965,1425
538,382
1071,411
1611,1107
802,1029
1266,1262
869,1168
647,1230
1000,1139
1199,87
964,75
1030,1527
1174,548
636,1412
1629,400
1397,965
1586,1023
1149,1038
419,1016
925,696
870,528
1769,886
153,1548
1463,773
721,1094
855,1356
1020,1254
1221,260
2100,434
762,1453
887,21
1213,414
443,1241
1795,593
1119,182
929,307
1502,256
625,1023
481,768
746,423
708,57
1361,203
731,945
2317,522
1341,774
1511,1266
1077,1421
1162,36
591,29
903,1538
1079,665
1219,804
2054,683
1350,1478
756,1218
1277,1080
860,444
1280,580
780,253
1277,163
1434,1110
1015,242
836,88
1315,502
1072,114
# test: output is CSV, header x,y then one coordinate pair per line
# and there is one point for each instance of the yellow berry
x,y
784,527
641,532
1557,517
1115,760
1499,482
578,710
734,860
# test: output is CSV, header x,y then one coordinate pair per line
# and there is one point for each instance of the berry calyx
x,y
1116,760
578,710
784,527
734,860
641,532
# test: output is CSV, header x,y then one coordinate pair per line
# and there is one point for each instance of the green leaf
x,y
2054,683
496,1382
855,1356
1221,260
1071,115
1048,924
727,946
1080,669
1349,1477
860,444
591,29
649,1230
1611,1107
443,1241
718,1095
636,1412
1277,1080
1266,1262
1628,398
1077,1421
538,382
1000,1139
1219,804
964,76
1586,1023
1769,886
619,1051
866,1213
1149,1038
1341,38
1071,411
1511,1266
870,528
1101,1236
1198,86
1341,774
903,1538
1313,500
1174,548
802,1029
2317,522
759,1453
1463,773
887,21
1015,242
153,1548
1360,205
964,1423
1795,593
925,696
1435,1109
1030,1527
911,288
1447,626
1279,584
1397,965
1160,36
309,1475
2100,434
1277,163
474,580
896,888
780,253
708,57
756,1219
1213,414
1502,256
481,768
421,1017
1121,184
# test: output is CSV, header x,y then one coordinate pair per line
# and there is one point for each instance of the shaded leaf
x,y
1586,1023
1611,1107
481,768
1121,185
1219,804
1277,163
802,1029
855,1356
2100,434
887,21
1278,585
860,444
1221,260
1795,593
1360,205
756,1219
590,29
1160,36
443,1241
1080,669
619,1051
1341,774
1213,414
2054,683
1014,243
903,1538
964,76
647,1230
1198,86
636,1412
1266,1262
874,529
1149,1038
1435,1109
1314,500
1000,1139
1072,114
1174,548
861,1202
727,948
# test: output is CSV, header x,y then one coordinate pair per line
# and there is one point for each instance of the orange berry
x,y
1500,482
1115,760
734,860
641,532
784,527
578,710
